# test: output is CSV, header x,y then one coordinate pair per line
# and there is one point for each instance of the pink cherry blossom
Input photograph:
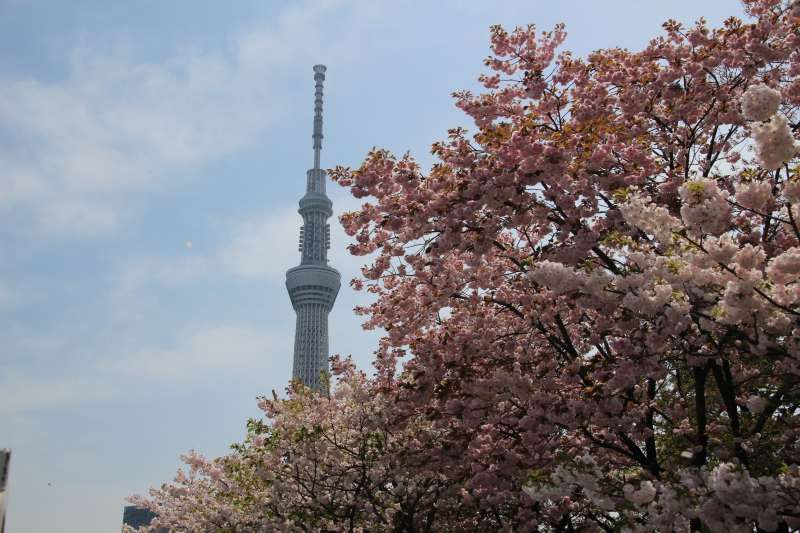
x,y
760,102
775,143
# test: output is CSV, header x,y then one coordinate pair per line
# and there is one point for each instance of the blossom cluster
x,y
775,144
760,102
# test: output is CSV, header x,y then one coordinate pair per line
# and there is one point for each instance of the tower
x,y
313,285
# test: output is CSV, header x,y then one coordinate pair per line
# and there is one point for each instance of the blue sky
x,y
128,129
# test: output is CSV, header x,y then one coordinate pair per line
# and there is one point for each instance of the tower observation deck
x,y
313,285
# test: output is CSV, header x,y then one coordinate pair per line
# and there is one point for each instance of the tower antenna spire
x,y
319,78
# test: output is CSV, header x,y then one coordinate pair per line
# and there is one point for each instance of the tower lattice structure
x,y
313,285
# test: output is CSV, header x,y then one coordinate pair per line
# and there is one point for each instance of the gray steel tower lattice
x,y
313,285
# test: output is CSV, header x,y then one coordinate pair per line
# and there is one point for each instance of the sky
x,y
151,158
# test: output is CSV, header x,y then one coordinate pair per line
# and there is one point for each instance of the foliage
x,y
322,463
598,296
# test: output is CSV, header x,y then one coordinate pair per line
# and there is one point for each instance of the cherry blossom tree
x,y
322,463
591,306
600,289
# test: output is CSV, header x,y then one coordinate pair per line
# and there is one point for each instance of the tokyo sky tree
x,y
313,285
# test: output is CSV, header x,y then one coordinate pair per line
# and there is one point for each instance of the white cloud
x,y
195,355
24,393
265,246
225,348
113,127
134,296
259,248
8,297
116,125
174,271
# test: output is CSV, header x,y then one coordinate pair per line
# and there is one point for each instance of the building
x,y
5,460
137,517
313,285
